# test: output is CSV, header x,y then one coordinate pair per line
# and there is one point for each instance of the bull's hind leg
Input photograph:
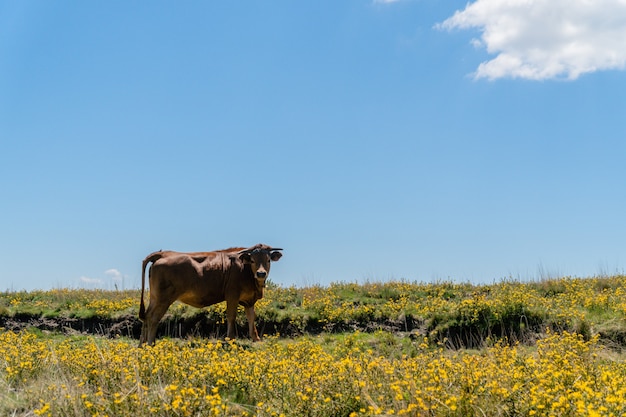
x,y
154,314
144,332
231,318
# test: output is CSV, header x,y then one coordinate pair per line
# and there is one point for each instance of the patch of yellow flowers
x,y
348,376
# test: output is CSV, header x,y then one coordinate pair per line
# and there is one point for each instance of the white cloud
x,y
112,277
90,281
114,274
545,39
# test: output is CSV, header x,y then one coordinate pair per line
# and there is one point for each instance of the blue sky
x,y
372,140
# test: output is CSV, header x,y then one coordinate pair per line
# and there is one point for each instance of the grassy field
x,y
508,349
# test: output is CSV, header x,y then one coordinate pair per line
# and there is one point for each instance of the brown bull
x,y
200,279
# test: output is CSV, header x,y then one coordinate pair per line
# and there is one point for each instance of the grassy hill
x,y
457,315
544,348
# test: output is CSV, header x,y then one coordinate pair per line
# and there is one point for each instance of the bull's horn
x,y
252,250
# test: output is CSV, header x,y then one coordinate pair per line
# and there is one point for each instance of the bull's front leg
x,y
251,315
231,318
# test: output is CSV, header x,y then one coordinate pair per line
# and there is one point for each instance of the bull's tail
x,y
153,257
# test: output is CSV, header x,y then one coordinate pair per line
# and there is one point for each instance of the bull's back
x,y
196,279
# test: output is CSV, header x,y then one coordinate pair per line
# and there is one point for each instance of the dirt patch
x,y
194,326
201,325
123,326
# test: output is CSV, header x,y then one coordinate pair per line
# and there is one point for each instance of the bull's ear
x,y
245,258
274,256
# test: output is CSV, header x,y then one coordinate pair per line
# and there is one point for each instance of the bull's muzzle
x,y
261,274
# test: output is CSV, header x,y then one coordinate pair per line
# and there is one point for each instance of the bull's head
x,y
259,257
